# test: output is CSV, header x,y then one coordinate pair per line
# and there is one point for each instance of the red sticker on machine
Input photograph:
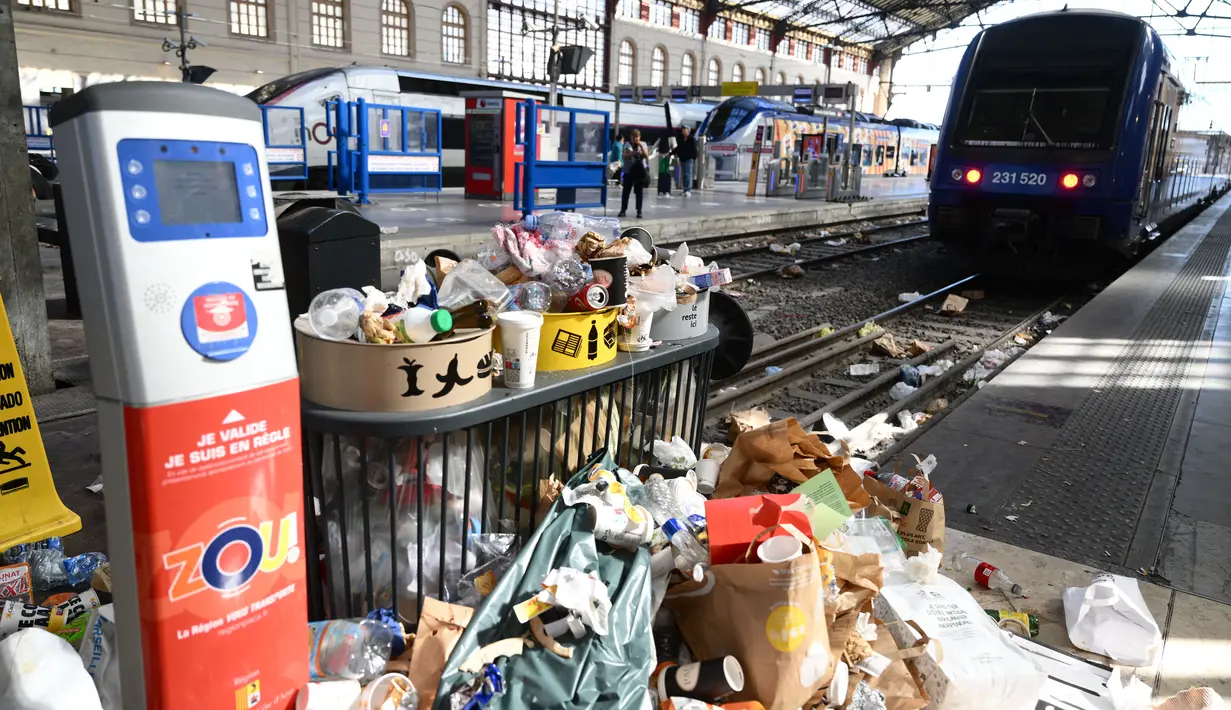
x,y
220,317
217,509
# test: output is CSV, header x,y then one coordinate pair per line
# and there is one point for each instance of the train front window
x,y
726,118
1054,81
1038,118
274,89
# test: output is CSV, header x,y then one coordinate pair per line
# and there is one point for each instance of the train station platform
x,y
1105,443
419,223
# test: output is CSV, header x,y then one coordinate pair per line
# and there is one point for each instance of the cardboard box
x,y
732,523
953,305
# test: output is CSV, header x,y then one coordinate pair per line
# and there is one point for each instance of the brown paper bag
x,y
772,459
901,684
769,616
746,420
440,627
922,523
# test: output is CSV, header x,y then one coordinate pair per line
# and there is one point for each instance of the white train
x,y
312,89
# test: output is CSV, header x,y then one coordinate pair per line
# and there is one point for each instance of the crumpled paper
x,y
584,594
413,285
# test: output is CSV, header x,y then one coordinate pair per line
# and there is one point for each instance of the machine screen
x,y
197,191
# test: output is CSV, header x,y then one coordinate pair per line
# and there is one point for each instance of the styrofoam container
x,y
686,321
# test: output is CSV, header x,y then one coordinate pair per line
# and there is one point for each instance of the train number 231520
x,y
1007,177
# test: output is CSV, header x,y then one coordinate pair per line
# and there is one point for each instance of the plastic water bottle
x,y
689,552
334,314
986,575
422,325
346,649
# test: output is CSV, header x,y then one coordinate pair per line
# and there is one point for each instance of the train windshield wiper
x,y
1030,115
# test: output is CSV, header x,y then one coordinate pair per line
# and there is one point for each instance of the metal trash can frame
x,y
378,523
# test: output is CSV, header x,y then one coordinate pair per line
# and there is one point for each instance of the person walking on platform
x,y
636,171
666,166
686,151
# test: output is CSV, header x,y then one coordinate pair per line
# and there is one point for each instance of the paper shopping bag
x,y
922,522
769,616
773,459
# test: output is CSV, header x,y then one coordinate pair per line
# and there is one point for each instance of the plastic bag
x,y
40,671
675,453
1111,617
493,555
413,285
100,656
469,282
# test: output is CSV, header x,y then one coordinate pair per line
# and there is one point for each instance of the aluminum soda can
x,y
590,297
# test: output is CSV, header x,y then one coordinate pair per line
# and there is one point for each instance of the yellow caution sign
x,y
30,508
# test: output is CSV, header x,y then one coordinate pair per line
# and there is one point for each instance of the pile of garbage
x,y
560,262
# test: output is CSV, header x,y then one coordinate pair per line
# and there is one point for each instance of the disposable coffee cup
x,y
708,681
707,476
519,343
612,273
636,339
390,686
328,695
783,548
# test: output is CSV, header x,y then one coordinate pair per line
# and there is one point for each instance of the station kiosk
x,y
167,198
495,142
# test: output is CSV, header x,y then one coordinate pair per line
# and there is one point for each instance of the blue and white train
x,y
402,87
1060,139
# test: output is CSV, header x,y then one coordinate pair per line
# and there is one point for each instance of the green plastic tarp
x,y
609,671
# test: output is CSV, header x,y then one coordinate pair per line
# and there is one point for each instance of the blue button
x,y
142,217
138,192
135,167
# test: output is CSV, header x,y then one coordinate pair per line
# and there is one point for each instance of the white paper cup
x,y
519,345
707,476
783,548
636,339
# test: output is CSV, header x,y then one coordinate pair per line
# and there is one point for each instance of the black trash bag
x,y
609,671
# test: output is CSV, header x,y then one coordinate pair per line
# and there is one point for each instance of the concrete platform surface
x,y
421,223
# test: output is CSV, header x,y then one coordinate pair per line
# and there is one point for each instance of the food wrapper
x,y
16,616
709,279
15,584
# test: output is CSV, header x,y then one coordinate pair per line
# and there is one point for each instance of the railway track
x,y
705,245
807,374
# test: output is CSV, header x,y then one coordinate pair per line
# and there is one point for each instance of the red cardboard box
x,y
732,523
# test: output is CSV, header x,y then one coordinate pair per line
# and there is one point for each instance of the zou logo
x,y
229,561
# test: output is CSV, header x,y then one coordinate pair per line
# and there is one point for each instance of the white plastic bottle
x,y
421,325
334,314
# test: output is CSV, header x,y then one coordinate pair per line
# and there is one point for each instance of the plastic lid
x,y
442,320
671,527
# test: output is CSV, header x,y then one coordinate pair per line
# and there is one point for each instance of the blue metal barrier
x,y
399,149
584,169
286,142
38,131
384,148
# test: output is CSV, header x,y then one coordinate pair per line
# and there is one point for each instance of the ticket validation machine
x,y
492,150
167,197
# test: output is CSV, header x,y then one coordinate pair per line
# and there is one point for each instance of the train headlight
x,y
1069,181
957,174
1089,180
973,176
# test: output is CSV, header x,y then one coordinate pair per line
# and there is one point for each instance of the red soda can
x,y
590,297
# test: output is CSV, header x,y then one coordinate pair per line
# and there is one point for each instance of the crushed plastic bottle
x,y
348,649
47,569
910,375
334,314
689,553
986,575
901,391
79,569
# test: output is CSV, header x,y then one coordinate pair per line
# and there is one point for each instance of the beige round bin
x,y
689,320
362,377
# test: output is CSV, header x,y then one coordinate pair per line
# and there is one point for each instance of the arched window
x,y
453,27
686,73
737,72
628,64
760,76
395,27
781,77
715,72
658,67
